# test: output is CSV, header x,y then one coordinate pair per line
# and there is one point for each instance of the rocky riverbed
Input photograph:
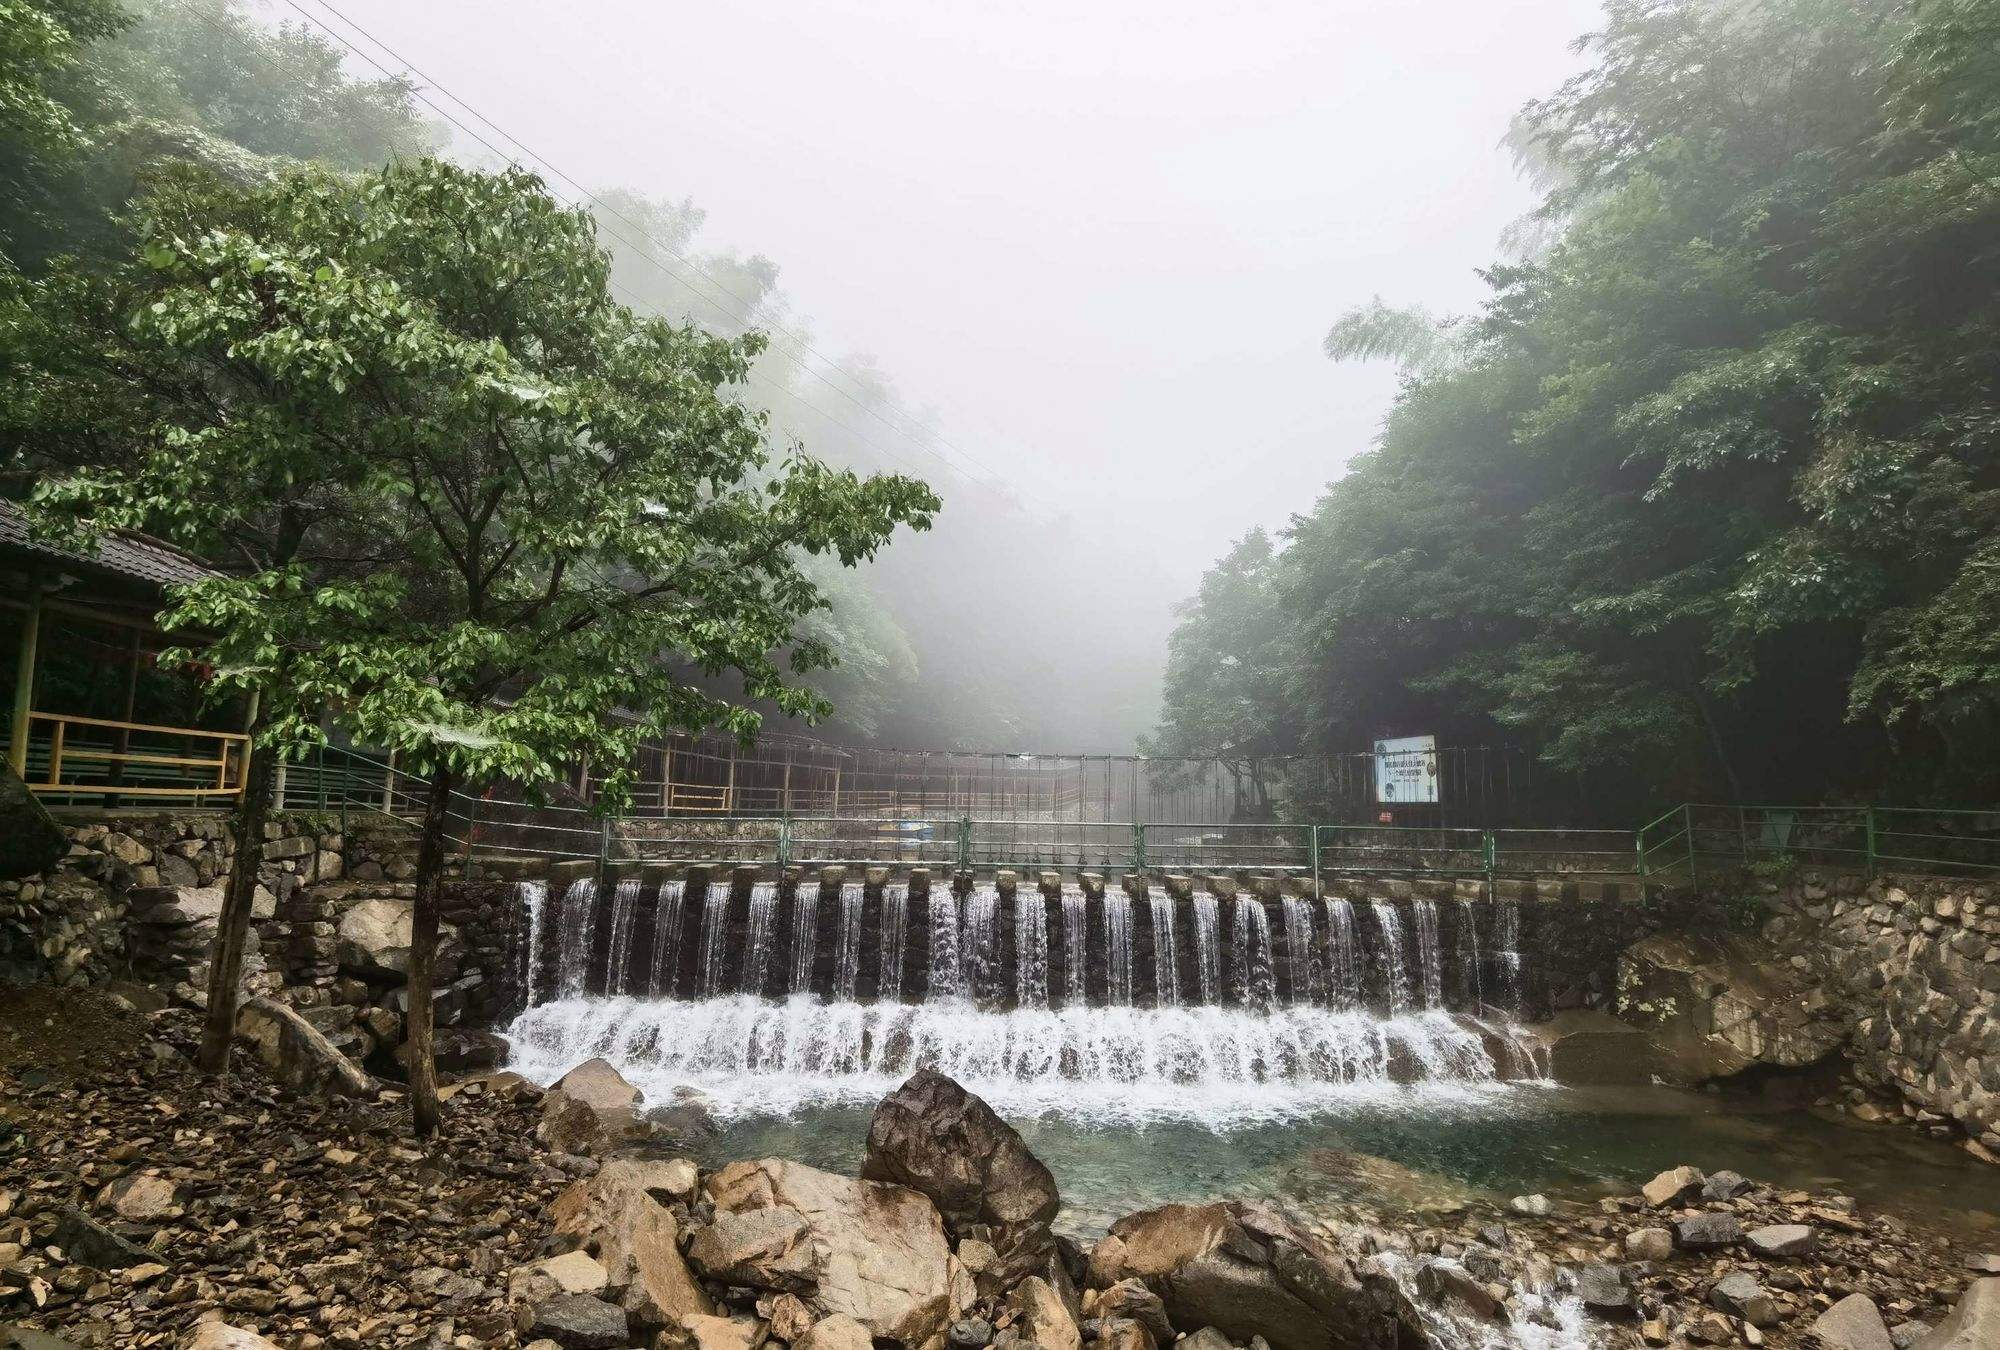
x,y
143,1205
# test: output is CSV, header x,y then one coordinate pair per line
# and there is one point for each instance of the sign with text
x,y
1406,769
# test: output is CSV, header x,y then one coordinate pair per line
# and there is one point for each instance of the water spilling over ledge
x,y
1231,1007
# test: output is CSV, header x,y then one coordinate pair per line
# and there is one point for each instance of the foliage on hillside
x,y
1704,498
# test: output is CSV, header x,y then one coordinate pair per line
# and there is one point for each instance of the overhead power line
x,y
914,432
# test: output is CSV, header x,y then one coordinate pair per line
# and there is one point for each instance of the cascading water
x,y
1031,950
947,975
1166,972
1507,941
1395,973
1343,966
1075,955
624,902
533,897
714,916
575,927
1255,984
1118,946
847,961
758,937
979,943
895,915
1430,961
666,939
805,936
1207,949
1302,953
1468,955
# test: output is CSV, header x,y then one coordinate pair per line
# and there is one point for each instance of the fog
x,y
1072,263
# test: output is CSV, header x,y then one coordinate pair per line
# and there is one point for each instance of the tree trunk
x,y
417,1042
232,926
1715,742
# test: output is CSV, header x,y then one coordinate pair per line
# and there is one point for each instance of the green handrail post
x,y
1870,818
1687,827
1317,892
965,843
319,775
1639,847
785,840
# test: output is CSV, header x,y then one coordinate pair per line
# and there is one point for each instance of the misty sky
x,y
1100,242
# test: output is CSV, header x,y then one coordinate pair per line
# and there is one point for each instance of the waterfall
x,y
575,928
1031,950
1207,950
624,901
1166,968
1468,955
1254,983
757,938
1395,974
895,919
979,943
947,976
1343,966
805,936
714,915
534,898
1221,1066
1076,956
1302,953
1508,940
1118,947
1429,963
847,967
666,938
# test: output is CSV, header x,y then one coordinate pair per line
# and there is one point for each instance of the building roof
x,y
125,554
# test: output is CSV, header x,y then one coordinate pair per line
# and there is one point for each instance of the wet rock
x,y
1721,1004
615,1216
1534,1206
89,1242
296,1053
1649,1244
1739,1294
1707,1232
1043,1316
1854,1323
1605,1290
941,1141
969,1333
838,1332
222,1336
1724,1186
1445,1282
877,1252
577,1322
1121,1333
1781,1241
589,1109
1673,1186
760,1248
1131,1298
1249,1272
1974,1323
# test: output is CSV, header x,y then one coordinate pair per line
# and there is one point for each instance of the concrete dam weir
x,y
1199,1000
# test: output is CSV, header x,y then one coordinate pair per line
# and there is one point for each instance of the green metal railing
x,y
1870,839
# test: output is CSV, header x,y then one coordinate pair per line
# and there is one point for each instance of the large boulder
x,y
590,1109
1854,1323
864,1249
373,938
1721,1004
1247,1271
936,1138
296,1053
621,1217
1974,1324
30,840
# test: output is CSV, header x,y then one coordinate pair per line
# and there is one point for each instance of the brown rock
x,y
1673,1186
141,1198
1043,1318
614,1216
838,1332
222,1336
1974,1323
1854,1323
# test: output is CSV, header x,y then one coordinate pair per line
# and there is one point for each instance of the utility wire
x,y
728,299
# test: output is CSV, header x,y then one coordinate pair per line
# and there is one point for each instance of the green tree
x,y
555,531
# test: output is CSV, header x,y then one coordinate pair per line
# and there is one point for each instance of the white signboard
x,y
1406,769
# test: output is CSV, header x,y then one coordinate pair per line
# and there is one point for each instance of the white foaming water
x,y
1302,953
575,922
1074,967
1468,954
1254,982
1543,1320
1207,949
1343,966
715,910
1429,963
847,962
1031,950
805,935
758,936
1118,946
1507,939
947,975
1225,1067
1166,975
624,901
534,898
979,943
895,910
1395,974
666,939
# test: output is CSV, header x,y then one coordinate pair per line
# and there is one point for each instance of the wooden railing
x,y
69,756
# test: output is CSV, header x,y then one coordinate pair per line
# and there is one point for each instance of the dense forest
x,y
101,101
1702,501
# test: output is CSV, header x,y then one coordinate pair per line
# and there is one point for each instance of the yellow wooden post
x,y
56,754
24,679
